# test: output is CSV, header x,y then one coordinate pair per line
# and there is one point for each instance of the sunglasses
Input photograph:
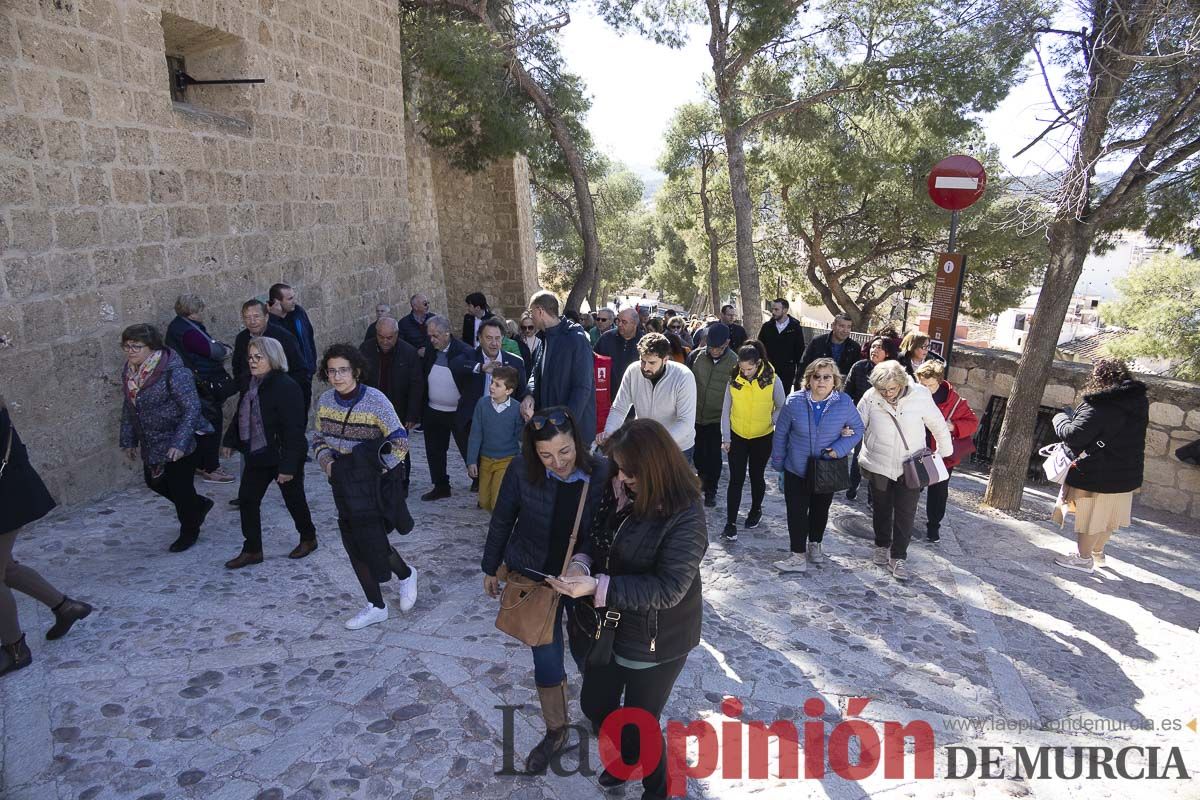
x,y
526,327
556,418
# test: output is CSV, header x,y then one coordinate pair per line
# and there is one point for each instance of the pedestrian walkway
x,y
191,681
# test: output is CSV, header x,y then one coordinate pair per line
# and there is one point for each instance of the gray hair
x,y
272,349
439,322
843,318
387,323
187,304
887,373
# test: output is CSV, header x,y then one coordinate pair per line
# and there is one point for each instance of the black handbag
x,y
591,633
825,475
218,389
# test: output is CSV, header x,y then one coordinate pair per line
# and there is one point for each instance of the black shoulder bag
x,y
825,475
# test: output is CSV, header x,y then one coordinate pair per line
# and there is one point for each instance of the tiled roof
x,y
1088,348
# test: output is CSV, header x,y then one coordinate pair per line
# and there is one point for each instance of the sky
x,y
636,85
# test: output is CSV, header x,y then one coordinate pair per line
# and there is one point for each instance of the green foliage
x,y
674,273
1158,301
626,230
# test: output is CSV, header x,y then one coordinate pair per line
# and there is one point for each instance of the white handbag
x,y
1059,460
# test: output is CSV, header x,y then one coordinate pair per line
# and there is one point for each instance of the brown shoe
x,y
243,559
305,547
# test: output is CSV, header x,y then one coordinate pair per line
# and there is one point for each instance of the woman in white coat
x,y
896,412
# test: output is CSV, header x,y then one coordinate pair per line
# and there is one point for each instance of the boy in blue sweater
x,y
495,435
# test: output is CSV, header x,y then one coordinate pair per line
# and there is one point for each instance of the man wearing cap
x,y
712,366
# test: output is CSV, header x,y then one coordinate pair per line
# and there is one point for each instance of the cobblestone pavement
x,y
194,682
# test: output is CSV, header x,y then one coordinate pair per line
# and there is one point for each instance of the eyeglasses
x,y
133,347
255,357
333,372
822,377
526,327
558,419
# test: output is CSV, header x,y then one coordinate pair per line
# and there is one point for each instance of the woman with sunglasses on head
x,y
160,420
819,421
527,339
351,414
648,540
753,398
530,533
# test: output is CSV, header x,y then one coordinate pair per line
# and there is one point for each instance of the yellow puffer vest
x,y
752,406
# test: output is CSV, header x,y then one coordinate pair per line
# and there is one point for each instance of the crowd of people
x,y
595,441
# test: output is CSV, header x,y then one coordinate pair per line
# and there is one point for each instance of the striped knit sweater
x,y
372,417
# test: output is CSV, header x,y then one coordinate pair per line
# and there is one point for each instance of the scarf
x,y
141,377
250,421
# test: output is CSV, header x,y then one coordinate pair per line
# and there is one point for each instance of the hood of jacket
x,y
1129,397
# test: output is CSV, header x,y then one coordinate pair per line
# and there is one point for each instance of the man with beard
x,y
659,389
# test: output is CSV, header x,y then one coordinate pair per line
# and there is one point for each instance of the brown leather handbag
x,y
528,608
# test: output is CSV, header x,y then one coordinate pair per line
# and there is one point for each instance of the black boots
x,y
554,711
66,614
14,656
188,534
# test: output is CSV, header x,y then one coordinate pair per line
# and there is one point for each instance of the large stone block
x,y
131,186
1057,395
22,137
76,228
1160,471
1176,501
75,98
1188,477
1167,415
1193,419
1156,442
31,230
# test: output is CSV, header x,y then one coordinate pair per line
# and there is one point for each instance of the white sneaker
x,y
898,569
881,555
1098,558
815,553
1075,561
368,616
796,562
408,591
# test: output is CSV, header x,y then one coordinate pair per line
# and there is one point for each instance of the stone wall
x,y
115,198
1169,485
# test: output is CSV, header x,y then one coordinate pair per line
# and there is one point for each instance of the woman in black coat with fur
x,y
24,499
1107,437
649,539
268,429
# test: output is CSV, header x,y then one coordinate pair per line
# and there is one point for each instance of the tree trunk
x,y
743,215
714,244
594,293
1070,240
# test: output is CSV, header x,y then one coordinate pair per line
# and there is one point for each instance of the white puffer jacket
x,y
883,451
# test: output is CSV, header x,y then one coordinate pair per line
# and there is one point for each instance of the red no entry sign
x,y
956,182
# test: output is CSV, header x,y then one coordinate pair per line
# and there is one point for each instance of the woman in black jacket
x,y
24,499
649,538
268,429
530,532
1107,436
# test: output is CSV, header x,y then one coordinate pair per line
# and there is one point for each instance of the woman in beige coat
x,y
896,412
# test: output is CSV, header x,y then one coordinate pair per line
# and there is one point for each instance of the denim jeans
x,y
548,667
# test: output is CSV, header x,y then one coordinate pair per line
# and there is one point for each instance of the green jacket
x,y
711,381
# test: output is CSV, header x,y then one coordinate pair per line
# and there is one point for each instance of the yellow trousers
x,y
491,473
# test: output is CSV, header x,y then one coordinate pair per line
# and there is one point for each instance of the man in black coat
x,y
257,320
396,370
836,344
477,312
412,324
473,370
443,399
784,340
737,334
621,345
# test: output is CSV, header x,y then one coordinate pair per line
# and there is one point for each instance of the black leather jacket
x,y
654,581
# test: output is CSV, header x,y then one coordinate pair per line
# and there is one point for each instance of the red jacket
x,y
963,424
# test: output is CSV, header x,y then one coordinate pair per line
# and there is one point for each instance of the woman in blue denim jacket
x,y
817,421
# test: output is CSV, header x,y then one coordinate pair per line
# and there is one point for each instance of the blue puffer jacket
x,y
167,413
794,441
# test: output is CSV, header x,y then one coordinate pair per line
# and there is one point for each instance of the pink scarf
x,y
137,379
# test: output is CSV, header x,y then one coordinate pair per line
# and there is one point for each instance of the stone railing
x,y
982,375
